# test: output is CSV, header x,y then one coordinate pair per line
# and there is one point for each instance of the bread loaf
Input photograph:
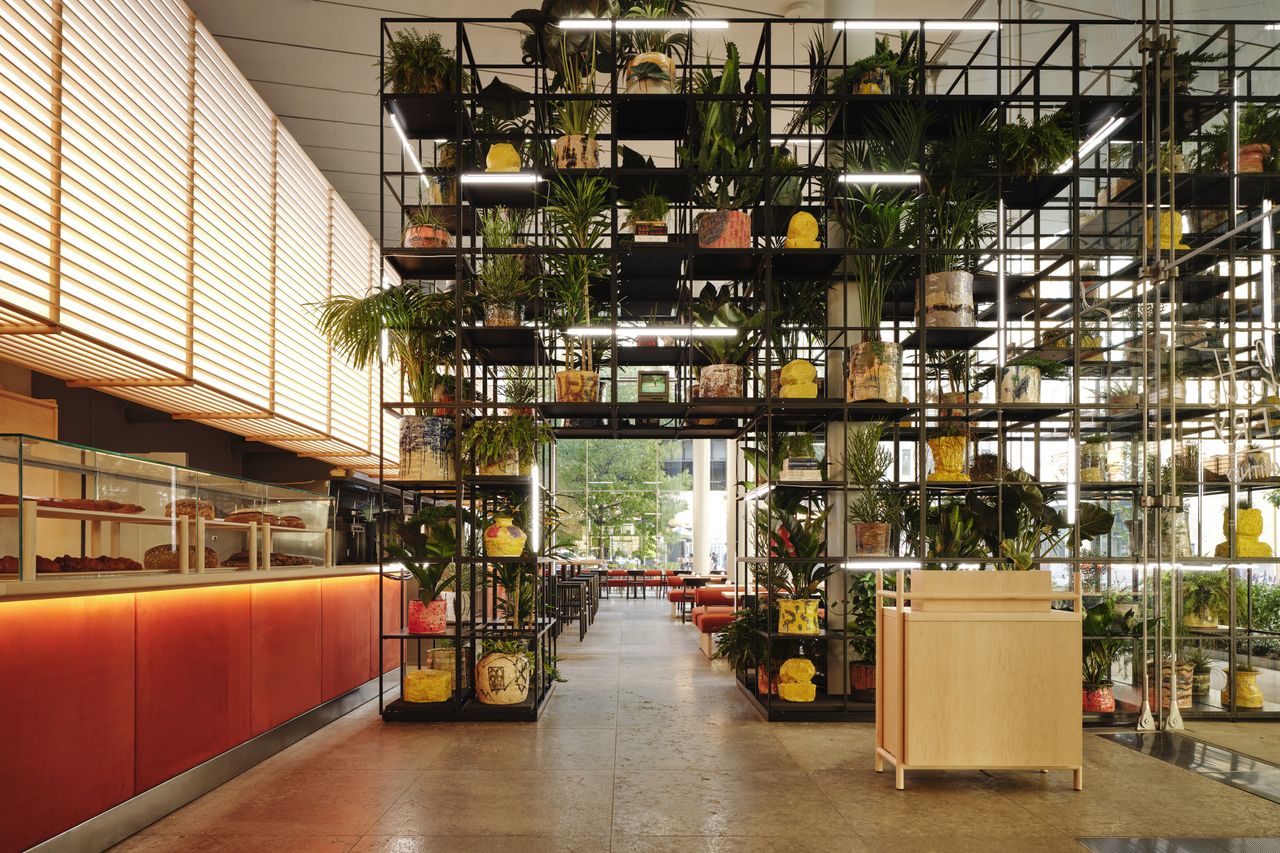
x,y
166,557
189,508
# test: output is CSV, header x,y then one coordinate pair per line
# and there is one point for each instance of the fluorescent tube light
x,y
1268,283
500,178
878,178
1272,27
876,563
535,513
985,26
634,331
758,492
640,24
1093,142
990,26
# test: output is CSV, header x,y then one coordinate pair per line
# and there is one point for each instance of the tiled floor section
x,y
1240,771
651,749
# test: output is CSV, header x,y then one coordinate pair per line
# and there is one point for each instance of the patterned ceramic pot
x,y
427,237
1019,384
724,229
1185,674
875,372
720,380
577,152
1098,699
508,466
948,299
1093,463
1247,693
504,539
577,386
871,538
948,458
650,74
503,679
1249,158
798,616
426,448
1200,683
428,618
501,315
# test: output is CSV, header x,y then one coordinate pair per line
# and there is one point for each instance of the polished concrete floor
x,y
649,747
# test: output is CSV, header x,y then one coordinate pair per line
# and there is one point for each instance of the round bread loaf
x,y
189,508
166,557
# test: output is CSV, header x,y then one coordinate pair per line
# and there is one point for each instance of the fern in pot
x,y
725,376
417,64
503,285
647,217
504,446
413,327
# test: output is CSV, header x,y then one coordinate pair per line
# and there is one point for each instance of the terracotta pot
x,y
724,229
875,372
577,386
765,683
798,616
650,74
871,538
1098,699
1248,695
504,539
426,448
948,458
721,380
441,394
577,152
1019,384
862,680
501,315
1249,158
503,679
948,299
428,618
427,237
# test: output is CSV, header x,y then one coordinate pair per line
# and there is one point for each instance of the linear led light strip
x,y
639,24
408,150
872,565
500,178
990,26
1093,143
633,331
878,178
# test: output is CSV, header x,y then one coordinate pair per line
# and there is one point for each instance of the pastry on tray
x,y
10,565
80,503
189,508
68,563
166,557
246,516
240,560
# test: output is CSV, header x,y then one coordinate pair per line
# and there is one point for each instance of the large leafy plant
x,y
1107,631
423,542
549,46
790,524
718,308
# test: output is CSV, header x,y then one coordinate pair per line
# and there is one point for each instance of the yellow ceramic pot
x,y
1170,231
1248,695
798,616
502,157
795,680
504,539
427,685
802,232
798,380
1248,529
948,458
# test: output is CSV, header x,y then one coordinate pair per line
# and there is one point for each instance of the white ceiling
x,y
314,61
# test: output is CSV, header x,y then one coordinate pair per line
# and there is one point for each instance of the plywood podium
x,y
976,672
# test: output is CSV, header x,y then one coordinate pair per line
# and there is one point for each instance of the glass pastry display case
x,y
68,509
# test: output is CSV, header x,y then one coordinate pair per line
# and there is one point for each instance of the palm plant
x,y
520,386
874,223
418,64
422,543
656,40
799,316
516,596
577,221
502,282
871,501
405,324
579,115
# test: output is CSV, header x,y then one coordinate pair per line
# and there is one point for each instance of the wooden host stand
x,y
977,673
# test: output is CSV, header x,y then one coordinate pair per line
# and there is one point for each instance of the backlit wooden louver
x,y
194,237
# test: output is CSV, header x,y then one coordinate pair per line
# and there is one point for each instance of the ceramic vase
x,y
795,680
426,448
1093,463
1186,672
577,386
798,616
1248,529
427,685
765,682
578,151
504,539
503,679
720,380
428,618
862,680
1019,384
724,229
948,299
650,74
948,458
1098,699
875,372
871,538
1249,158
502,157
1200,682
427,237
507,466
798,380
1248,695
503,316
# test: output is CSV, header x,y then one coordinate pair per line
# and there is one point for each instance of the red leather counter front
x,y
105,696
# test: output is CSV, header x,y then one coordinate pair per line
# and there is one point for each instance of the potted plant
x,y
1020,378
521,389
1122,394
799,311
425,230
1257,128
956,225
860,628
503,285
792,527
1201,669
1182,69
578,116
1031,148
423,543
504,446
577,220
727,142
949,444
1205,602
873,222
745,645
1107,631
1093,458
872,505
503,672
417,64
725,375
411,326
884,72
1247,694
647,217
650,67
1186,673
